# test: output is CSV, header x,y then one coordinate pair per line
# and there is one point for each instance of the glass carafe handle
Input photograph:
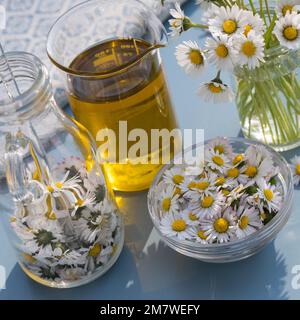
x,y
15,169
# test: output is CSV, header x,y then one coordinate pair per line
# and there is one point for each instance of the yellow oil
x,y
135,91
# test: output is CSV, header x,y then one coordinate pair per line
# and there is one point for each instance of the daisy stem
x,y
268,11
198,25
252,6
261,10
268,34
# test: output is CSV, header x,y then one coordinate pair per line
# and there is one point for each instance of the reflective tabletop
x,y
147,268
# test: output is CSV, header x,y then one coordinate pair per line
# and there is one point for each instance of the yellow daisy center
x,y
192,216
179,225
247,29
50,189
202,185
79,202
176,23
51,216
177,178
58,185
95,250
225,192
229,26
221,225
286,8
201,234
219,148
221,51
192,184
233,172
218,160
251,171
196,57
220,181
248,48
268,194
166,204
207,202
177,191
290,33
238,158
297,169
243,223
214,89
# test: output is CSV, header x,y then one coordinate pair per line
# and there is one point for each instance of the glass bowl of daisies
x,y
226,208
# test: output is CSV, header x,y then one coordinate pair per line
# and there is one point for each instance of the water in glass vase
x,y
128,85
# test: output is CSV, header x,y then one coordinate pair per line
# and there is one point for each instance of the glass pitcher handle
x,y
15,169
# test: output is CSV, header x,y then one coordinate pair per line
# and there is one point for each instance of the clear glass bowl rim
x,y
272,228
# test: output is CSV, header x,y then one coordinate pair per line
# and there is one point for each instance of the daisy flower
x,y
270,196
248,221
287,30
190,57
220,227
199,235
227,21
190,217
41,243
234,176
216,160
97,255
221,145
235,194
295,166
88,200
177,22
169,200
66,187
253,22
220,52
203,185
175,225
249,50
204,205
215,91
258,164
286,6
237,159
95,228
174,176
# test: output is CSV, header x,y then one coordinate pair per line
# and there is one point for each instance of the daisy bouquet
x,y
231,197
71,229
257,41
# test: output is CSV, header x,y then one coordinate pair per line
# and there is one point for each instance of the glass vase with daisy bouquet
x,y
258,42
55,203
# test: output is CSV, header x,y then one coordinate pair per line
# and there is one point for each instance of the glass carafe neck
x,y
35,89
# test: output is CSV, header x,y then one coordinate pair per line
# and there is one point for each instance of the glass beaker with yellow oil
x,y
108,52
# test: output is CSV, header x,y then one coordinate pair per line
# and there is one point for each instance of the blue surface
x,y
149,269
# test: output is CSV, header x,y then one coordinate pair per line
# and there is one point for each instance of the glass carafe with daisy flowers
x,y
258,42
55,202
